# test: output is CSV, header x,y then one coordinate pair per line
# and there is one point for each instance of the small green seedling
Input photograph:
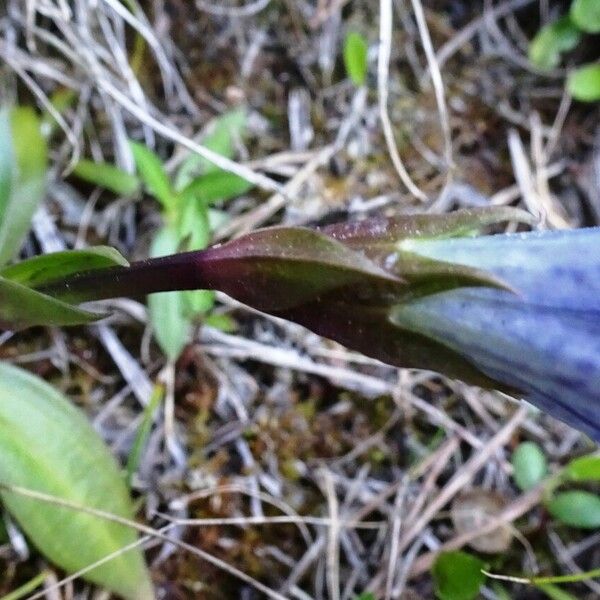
x,y
459,575
574,507
355,57
563,35
189,218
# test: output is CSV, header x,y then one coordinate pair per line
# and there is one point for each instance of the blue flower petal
x,y
551,268
545,340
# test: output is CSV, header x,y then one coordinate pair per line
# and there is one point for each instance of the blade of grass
x,y
143,433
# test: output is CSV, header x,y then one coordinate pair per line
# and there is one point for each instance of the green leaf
x,y
7,162
143,432
222,133
214,186
365,596
198,302
107,176
355,57
220,137
153,175
457,576
586,15
529,465
194,226
551,41
48,446
23,164
576,508
584,83
167,310
21,306
586,468
223,322
25,590
193,229
554,592
40,270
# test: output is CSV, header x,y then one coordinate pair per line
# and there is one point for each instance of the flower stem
x,y
182,271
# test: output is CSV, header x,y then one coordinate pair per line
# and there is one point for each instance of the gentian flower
x,y
544,339
515,312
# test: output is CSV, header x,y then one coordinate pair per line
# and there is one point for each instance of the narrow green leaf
x,y
193,229
551,41
576,508
584,83
194,233
198,302
23,158
554,592
214,186
7,162
167,310
529,465
586,15
27,588
586,468
21,306
153,174
223,322
143,433
48,446
40,270
222,133
107,176
355,57
457,576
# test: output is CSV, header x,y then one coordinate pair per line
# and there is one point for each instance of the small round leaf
x,y
584,83
586,468
551,41
529,465
457,576
586,15
576,508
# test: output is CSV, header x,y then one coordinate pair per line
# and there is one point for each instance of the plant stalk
x,y
183,271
